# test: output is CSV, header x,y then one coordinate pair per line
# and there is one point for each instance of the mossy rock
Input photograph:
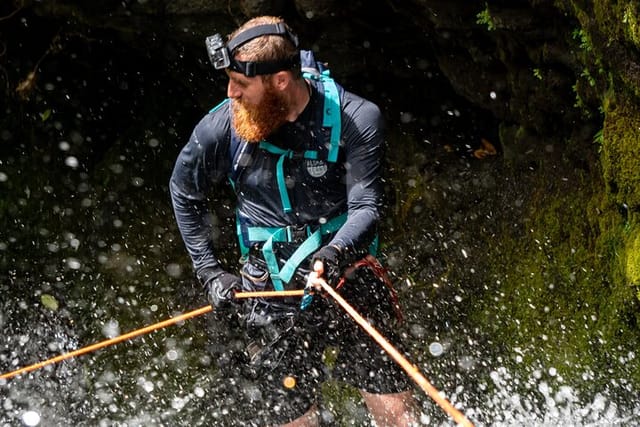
x,y
632,268
568,300
620,150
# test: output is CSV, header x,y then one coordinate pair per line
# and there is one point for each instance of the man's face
x,y
258,108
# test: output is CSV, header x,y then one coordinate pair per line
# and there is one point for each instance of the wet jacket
x,y
318,190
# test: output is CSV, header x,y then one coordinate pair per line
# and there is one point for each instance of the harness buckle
x,y
297,233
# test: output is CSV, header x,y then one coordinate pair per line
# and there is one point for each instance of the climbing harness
x,y
327,144
290,234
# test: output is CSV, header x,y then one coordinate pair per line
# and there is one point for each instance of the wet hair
x,y
269,47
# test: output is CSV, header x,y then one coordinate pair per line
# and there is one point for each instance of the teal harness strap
x,y
331,117
280,178
270,235
282,183
310,245
331,112
271,259
244,250
217,107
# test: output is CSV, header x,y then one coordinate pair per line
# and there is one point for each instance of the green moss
x,y
631,22
612,29
541,298
343,401
608,18
618,20
562,292
633,259
620,148
484,18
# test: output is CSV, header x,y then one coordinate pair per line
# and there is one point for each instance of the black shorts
x,y
279,359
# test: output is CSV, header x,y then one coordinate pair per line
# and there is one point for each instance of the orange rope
x,y
268,294
412,370
108,342
145,330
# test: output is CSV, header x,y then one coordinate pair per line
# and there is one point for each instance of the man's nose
x,y
233,91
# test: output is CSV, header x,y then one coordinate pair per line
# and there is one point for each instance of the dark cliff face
x,y
513,59
521,60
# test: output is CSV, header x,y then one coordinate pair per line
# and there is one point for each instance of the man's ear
x,y
281,80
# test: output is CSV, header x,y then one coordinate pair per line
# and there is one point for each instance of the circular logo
x,y
316,168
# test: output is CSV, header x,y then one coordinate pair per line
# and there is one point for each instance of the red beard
x,y
254,123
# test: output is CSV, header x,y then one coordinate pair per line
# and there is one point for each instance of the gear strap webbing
x,y
287,234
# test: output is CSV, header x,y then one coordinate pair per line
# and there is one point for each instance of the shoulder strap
x,y
318,71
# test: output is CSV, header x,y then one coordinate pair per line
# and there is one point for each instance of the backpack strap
x,y
220,105
318,71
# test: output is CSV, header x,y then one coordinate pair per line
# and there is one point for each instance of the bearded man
x,y
304,158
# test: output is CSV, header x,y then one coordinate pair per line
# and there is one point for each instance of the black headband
x,y
278,29
221,55
254,68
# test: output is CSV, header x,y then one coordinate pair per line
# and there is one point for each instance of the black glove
x,y
331,260
220,286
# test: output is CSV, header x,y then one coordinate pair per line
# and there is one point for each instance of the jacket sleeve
x,y
363,138
200,166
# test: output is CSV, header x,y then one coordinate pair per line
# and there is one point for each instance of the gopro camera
x,y
218,52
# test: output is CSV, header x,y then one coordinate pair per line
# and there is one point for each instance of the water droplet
x,y
49,301
111,329
174,270
436,349
31,418
72,162
73,263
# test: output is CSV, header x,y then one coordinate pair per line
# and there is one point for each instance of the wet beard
x,y
254,123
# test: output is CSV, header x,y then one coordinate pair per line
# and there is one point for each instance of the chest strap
x,y
280,178
289,234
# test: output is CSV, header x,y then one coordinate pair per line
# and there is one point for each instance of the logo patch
x,y
316,168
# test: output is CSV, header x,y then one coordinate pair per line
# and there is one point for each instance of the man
x,y
304,158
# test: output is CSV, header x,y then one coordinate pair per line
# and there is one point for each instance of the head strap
x,y
221,54
278,29
255,68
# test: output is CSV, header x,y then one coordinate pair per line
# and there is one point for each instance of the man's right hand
x,y
220,286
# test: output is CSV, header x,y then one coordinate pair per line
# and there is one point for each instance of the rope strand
x,y
409,368
145,330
